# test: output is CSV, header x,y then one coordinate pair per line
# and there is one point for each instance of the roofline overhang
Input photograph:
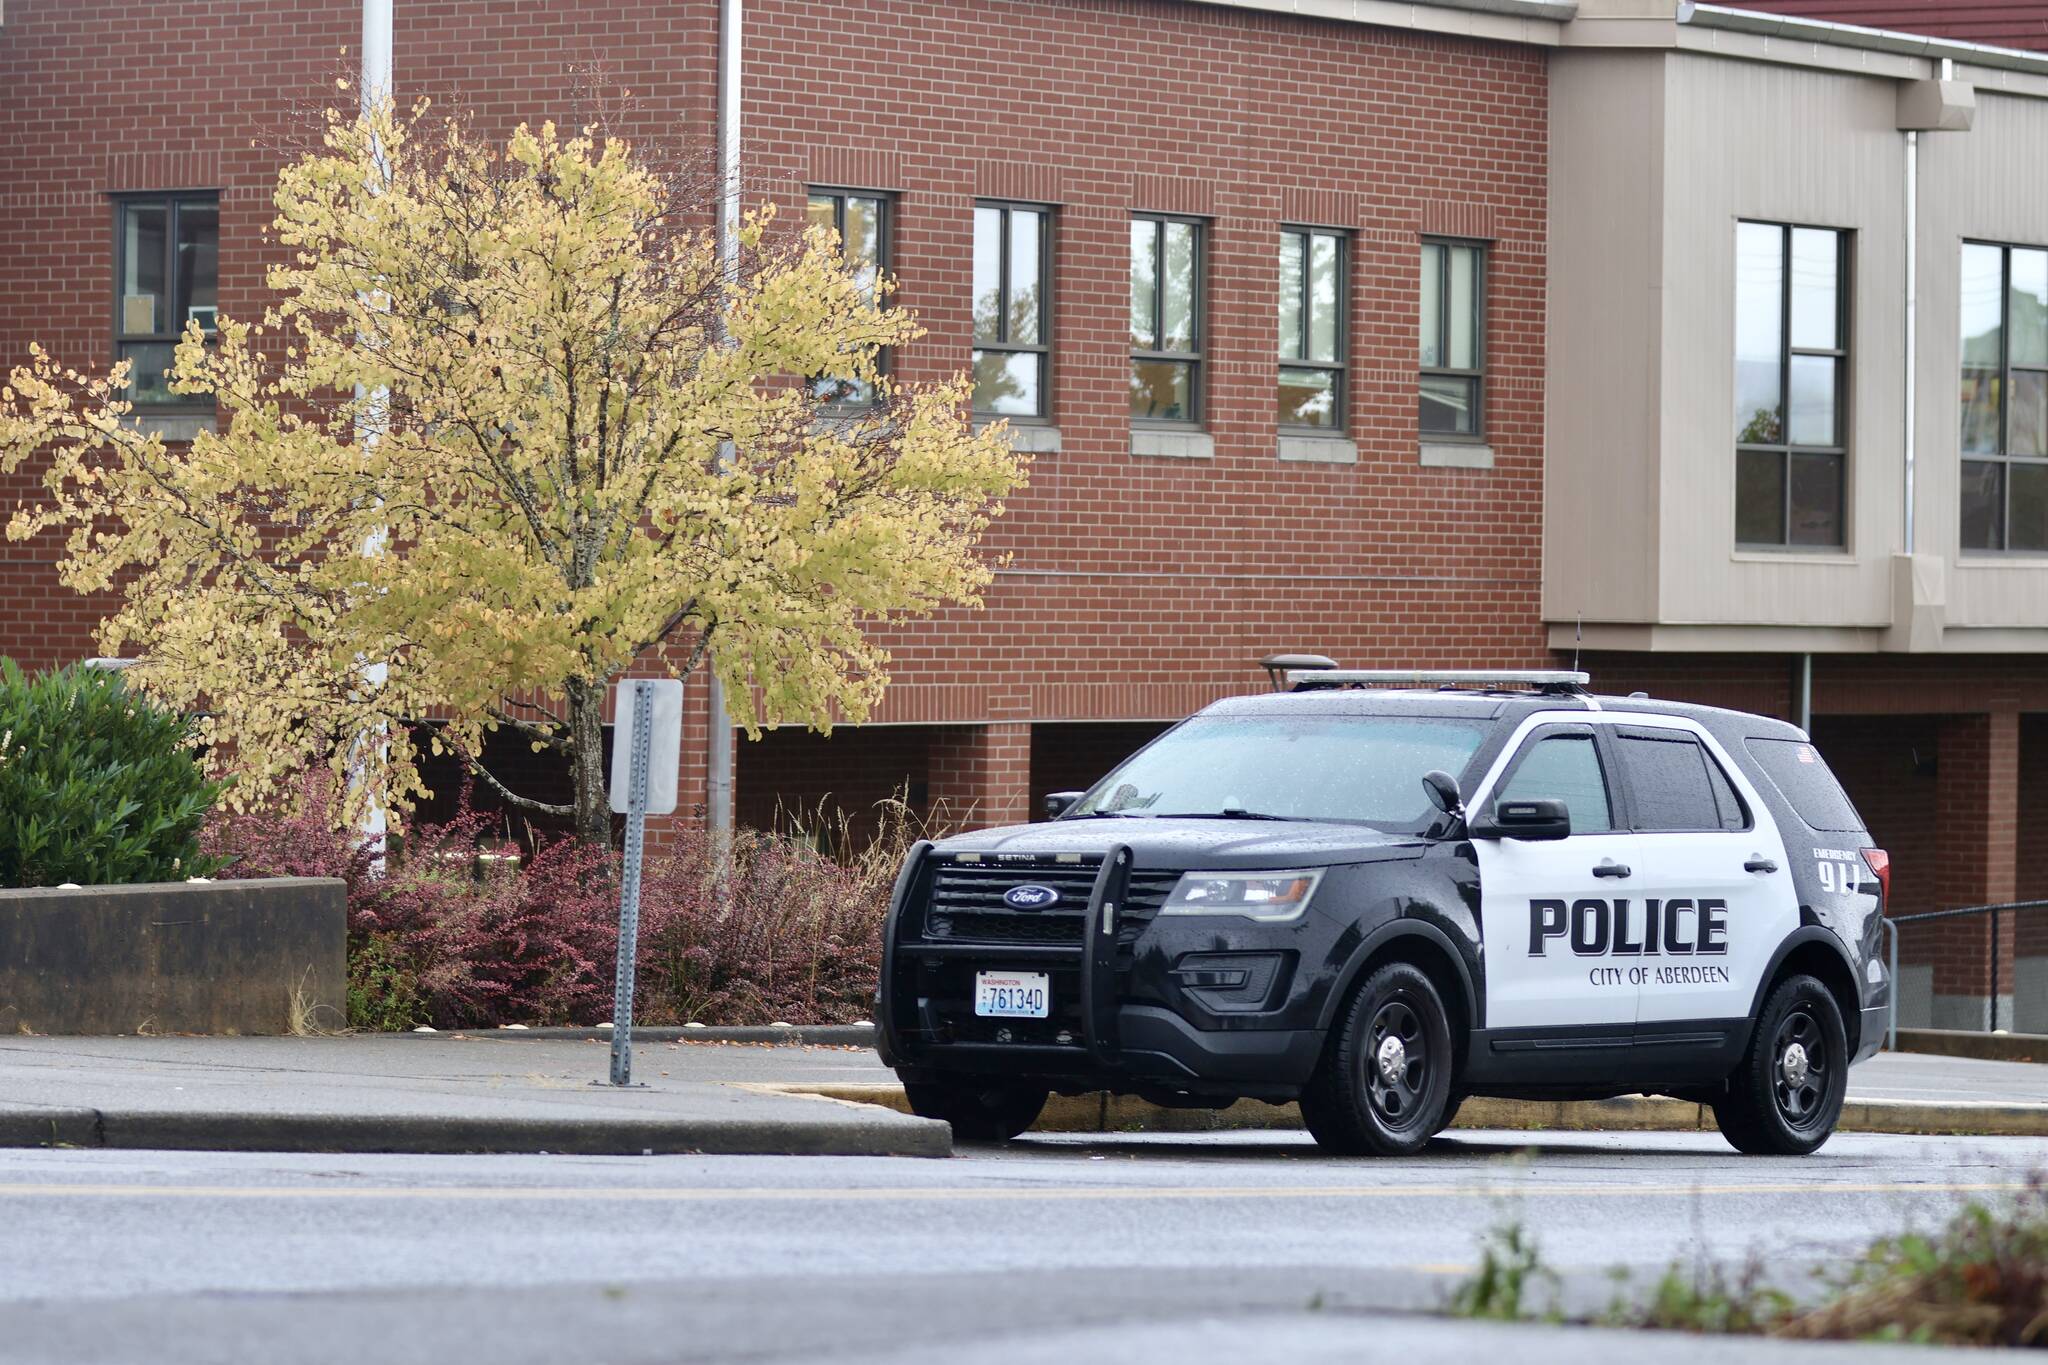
x,y
1790,28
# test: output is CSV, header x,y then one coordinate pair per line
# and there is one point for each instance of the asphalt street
x,y
1216,1246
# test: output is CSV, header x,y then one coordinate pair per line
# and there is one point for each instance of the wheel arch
x,y
1817,952
1429,949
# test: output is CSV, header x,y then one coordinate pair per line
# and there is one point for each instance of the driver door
x,y
1550,909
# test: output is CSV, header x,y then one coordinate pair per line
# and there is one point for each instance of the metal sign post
x,y
648,726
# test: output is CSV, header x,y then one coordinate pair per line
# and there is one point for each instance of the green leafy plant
x,y
97,785
1511,1268
1706,1298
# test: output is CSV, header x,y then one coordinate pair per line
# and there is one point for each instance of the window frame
x,y
1195,360
1339,368
173,202
1618,814
1482,251
885,245
1661,734
2004,458
1043,350
1785,450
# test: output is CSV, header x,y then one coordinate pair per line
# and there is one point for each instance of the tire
x,y
990,1112
1450,1114
1368,1098
1782,1102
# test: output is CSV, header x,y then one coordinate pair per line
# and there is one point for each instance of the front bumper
x,y
1098,1035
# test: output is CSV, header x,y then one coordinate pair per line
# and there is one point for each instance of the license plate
x,y
1012,995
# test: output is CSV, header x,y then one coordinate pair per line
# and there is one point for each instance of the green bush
x,y
97,786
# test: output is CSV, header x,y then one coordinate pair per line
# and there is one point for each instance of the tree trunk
x,y
586,761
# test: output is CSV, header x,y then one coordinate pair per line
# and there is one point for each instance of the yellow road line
x,y
1011,1194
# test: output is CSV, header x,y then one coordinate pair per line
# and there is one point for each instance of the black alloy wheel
x,y
1383,1087
1786,1096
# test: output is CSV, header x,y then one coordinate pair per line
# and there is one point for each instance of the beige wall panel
x,y
1989,185
1600,452
1783,144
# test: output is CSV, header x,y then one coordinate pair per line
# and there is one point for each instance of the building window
x,y
1453,340
1791,384
1166,320
166,268
862,222
2005,398
1012,322
1312,329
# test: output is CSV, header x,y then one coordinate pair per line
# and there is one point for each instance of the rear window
x,y
1797,769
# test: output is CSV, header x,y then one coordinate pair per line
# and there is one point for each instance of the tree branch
x,y
511,797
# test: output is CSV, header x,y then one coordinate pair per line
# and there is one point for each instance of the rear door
x,y
1711,873
1546,907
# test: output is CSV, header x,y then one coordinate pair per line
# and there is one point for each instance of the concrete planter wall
x,y
175,957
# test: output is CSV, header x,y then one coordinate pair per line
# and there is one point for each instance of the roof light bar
x,y
1542,680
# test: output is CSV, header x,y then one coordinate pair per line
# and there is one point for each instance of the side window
x,y
1669,785
1563,767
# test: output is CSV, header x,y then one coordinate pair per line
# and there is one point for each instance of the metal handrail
x,y
1891,927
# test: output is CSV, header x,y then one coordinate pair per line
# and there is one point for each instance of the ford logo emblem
x,y
1030,897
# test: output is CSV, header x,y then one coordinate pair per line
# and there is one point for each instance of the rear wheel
x,y
979,1112
1786,1096
1383,1087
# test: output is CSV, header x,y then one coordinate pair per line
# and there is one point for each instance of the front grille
x,y
967,903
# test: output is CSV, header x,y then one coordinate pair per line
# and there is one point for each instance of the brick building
x,y
1409,333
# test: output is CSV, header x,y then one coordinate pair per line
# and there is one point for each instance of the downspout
x,y
718,757
1912,310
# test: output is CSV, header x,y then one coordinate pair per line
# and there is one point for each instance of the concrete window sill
x,y
171,426
1456,455
1172,445
1035,440
1319,449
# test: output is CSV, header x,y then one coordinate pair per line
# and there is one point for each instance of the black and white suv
x,y
1379,899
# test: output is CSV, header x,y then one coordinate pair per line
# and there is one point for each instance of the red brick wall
x,y
1139,587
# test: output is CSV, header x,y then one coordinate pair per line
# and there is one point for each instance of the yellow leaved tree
x,y
574,467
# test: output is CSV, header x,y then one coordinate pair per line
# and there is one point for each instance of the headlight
x,y
1269,897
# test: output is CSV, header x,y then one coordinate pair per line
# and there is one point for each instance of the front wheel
x,y
1383,1087
979,1112
1786,1096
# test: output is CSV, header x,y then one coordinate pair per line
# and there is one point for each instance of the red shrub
x,y
438,937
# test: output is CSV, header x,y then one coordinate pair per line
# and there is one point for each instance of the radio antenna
x,y
1578,637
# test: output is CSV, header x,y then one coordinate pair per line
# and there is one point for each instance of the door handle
x,y
1610,868
1759,864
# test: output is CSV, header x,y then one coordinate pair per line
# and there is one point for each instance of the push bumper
x,y
1112,1044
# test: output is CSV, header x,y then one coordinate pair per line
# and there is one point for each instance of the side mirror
x,y
1059,803
1443,791
1532,820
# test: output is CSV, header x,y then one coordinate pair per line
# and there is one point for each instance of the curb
x,y
440,1135
1990,1047
802,1035
1628,1114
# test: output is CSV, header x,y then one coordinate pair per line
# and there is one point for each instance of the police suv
x,y
1378,893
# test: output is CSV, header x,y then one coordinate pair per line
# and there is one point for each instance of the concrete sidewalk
x,y
512,1091
447,1093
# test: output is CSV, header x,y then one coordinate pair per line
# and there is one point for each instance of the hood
x,y
1181,844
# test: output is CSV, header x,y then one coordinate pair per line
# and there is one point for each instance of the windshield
x,y
1354,769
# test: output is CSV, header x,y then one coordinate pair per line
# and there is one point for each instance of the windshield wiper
x,y
1227,814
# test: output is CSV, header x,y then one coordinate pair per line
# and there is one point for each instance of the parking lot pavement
x,y
1074,1248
